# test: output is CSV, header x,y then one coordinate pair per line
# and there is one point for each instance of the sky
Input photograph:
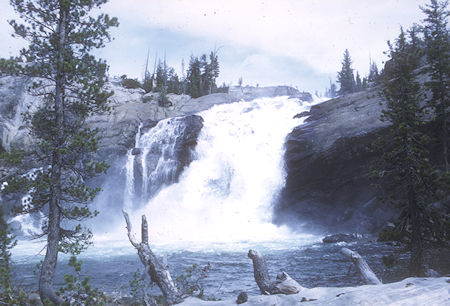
x,y
266,42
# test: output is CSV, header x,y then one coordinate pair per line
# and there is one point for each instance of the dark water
x,y
232,272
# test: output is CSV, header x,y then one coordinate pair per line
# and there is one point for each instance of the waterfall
x,y
129,168
226,193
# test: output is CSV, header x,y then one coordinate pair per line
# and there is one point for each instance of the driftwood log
x,y
158,273
284,284
367,275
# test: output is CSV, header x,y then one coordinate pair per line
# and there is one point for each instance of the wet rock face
x,y
326,161
167,149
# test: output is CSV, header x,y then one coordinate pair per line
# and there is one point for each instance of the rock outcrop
x,y
326,163
129,108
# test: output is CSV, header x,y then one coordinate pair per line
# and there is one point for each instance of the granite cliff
x,y
327,159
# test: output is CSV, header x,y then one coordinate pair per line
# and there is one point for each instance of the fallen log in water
x,y
284,284
367,275
159,273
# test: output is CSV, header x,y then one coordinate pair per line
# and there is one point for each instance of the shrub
x,y
131,83
78,291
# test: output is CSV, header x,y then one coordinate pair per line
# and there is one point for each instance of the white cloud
x,y
309,33
316,32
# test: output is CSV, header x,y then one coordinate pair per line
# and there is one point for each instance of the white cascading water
x,y
129,168
226,193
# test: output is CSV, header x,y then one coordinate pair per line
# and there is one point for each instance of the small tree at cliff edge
x,y
346,77
61,34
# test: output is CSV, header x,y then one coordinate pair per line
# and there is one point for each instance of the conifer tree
x,y
61,34
214,70
345,77
358,84
437,50
373,72
194,78
404,170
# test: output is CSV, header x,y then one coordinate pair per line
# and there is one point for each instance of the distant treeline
x,y
347,80
199,79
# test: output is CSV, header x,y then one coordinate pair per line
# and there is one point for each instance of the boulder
x,y
340,238
242,298
130,107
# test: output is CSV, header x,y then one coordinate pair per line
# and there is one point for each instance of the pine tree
x,y
214,70
437,49
404,170
161,76
61,35
373,72
358,84
345,77
194,78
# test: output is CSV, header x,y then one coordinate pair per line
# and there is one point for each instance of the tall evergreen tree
x,y
358,84
214,70
404,169
61,34
194,78
373,72
161,76
345,77
438,56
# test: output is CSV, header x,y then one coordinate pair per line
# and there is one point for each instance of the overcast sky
x,y
266,42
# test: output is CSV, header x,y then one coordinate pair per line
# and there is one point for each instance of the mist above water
x,y
223,200
226,193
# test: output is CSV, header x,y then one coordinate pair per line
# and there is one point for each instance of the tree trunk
x,y
416,260
46,291
284,283
367,275
158,273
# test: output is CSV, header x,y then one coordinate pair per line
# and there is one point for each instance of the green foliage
x,y
147,84
391,234
12,158
202,74
131,83
437,50
163,101
77,290
404,171
139,288
346,77
190,282
61,36
7,242
8,294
